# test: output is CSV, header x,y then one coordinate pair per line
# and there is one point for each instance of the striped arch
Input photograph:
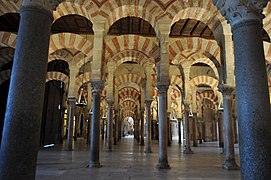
x,y
128,113
186,47
131,55
60,54
199,59
175,93
129,92
267,19
176,80
128,103
4,75
131,42
55,75
208,80
78,80
207,95
83,8
8,39
8,6
134,78
147,10
203,11
6,55
210,106
267,51
69,40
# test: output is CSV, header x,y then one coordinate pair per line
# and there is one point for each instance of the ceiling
x,y
129,25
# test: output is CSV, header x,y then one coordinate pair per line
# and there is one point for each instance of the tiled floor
x,y
129,162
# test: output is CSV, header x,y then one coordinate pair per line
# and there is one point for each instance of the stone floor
x,y
129,162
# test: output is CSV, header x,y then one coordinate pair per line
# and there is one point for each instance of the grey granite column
x,y
148,126
109,129
142,127
194,125
96,86
253,106
71,106
116,129
21,132
229,163
162,116
187,147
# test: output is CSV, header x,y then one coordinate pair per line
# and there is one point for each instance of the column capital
x,y
186,106
162,86
96,86
110,101
226,89
148,102
237,11
42,4
72,99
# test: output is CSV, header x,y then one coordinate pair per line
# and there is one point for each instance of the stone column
x,y
230,163
187,147
179,130
71,110
148,126
21,132
109,140
220,129
194,126
116,127
253,108
162,115
96,86
142,127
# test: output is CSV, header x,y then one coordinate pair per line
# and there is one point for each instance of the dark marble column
x,y
230,162
162,116
179,130
142,127
71,107
187,147
116,129
220,129
194,126
148,126
21,132
89,126
253,108
109,129
96,87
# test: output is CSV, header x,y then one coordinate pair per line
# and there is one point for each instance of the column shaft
x,y
253,106
187,148
230,163
71,106
116,127
95,127
220,130
142,128
194,125
109,129
21,132
148,127
163,134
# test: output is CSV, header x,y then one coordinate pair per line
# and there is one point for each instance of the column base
x,y
230,165
187,150
94,165
148,150
163,165
195,145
